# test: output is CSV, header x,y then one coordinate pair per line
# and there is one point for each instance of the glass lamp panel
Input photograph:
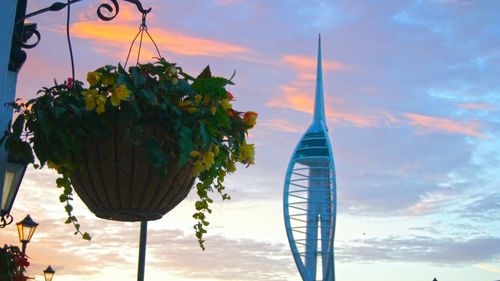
x,y
14,173
20,231
29,230
7,185
48,275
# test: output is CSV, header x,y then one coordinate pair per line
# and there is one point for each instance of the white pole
x,y
7,88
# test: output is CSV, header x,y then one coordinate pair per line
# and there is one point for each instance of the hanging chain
x,y
143,28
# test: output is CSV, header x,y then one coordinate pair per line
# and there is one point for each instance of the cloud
x,y
307,63
488,267
114,38
229,2
281,125
439,124
429,203
224,259
477,106
420,249
297,94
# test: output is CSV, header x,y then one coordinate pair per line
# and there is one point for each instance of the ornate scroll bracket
x,y
23,32
113,9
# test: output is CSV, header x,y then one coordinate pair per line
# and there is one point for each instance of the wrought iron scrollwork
x,y
23,32
5,220
112,8
29,31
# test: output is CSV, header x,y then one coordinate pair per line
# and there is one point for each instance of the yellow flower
x,y
52,165
187,106
225,104
195,153
93,77
118,94
230,167
198,167
213,109
246,153
101,102
198,98
208,159
206,99
108,79
89,97
173,70
215,149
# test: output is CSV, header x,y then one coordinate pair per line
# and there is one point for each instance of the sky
x,y
412,103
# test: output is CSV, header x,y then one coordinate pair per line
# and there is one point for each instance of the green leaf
x,y
59,111
68,208
204,133
185,145
27,152
17,127
206,73
137,76
222,118
86,236
154,154
63,198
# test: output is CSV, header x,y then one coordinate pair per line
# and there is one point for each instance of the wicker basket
x,y
116,181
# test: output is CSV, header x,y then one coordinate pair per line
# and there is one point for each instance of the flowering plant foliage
x,y
198,112
13,264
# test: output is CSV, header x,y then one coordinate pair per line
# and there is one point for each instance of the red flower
x,y
229,95
250,119
20,277
69,83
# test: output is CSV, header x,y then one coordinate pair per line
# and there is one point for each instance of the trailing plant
x,y
197,113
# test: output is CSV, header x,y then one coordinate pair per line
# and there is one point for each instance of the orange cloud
x,y
294,98
445,125
120,35
297,94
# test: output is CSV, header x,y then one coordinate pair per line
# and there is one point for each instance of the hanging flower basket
x,y
116,181
133,142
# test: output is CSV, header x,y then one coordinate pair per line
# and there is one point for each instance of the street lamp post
x,y
25,229
48,273
7,93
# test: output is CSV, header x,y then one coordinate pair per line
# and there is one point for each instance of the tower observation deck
x,y
309,199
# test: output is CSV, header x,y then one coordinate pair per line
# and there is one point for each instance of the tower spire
x,y
319,103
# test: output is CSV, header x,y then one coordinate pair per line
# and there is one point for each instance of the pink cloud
x,y
476,106
354,119
306,63
281,125
445,125
229,2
